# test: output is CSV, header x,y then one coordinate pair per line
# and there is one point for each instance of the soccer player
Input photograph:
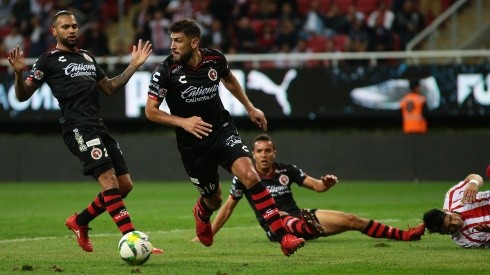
x,y
465,214
305,223
188,80
75,79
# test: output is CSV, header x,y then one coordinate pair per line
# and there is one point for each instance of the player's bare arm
x,y
474,181
23,89
224,214
138,56
194,125
257,116
320,185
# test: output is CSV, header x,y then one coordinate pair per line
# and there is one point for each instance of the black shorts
x,y
201,164
97,150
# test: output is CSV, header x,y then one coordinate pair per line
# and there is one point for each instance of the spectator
x,y
218,39
180,9
96,40
267,39
141,17
220,9
37,37
384,14
267,9
315,21
352,17
334,21
287,34
408,22
14,38
160,37
380,38
245,38
288,12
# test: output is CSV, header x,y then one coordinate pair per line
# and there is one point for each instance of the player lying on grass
x,y
305,223
465,214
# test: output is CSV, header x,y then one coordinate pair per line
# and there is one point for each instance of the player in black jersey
x,y
75,79
305,223
188,80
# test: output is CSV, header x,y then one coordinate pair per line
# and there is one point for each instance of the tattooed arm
x,y
139,55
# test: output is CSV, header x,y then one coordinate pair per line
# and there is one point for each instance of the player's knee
x,y
125,189
352,220
250,178
215,203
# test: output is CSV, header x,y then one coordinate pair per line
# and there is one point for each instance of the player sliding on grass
x,y
305,223
206,134
76,80
465,214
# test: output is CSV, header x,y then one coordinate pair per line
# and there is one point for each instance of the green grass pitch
x,y
33,236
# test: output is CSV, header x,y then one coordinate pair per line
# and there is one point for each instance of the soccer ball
x,y
135,248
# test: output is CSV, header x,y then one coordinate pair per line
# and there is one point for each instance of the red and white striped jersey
x,y
473,214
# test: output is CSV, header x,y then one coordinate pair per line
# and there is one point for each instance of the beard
x,y
184,57
67,43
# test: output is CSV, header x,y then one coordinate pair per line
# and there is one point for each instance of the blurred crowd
x,y
233,26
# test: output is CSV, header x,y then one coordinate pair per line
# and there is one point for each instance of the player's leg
x,y
244,170
97,206
202,169
89,147
336,222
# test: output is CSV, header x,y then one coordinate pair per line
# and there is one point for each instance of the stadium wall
x,y
373,156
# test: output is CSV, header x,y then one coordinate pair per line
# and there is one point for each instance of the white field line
x,y
21,240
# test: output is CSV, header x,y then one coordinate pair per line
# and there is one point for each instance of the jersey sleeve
x,y
237,188
297,175
223,68
99,71
454,197
38,70
158,84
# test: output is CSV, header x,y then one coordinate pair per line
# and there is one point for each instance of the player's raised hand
x,y
258,117
469,195
16,59
329,180
196,126
140,53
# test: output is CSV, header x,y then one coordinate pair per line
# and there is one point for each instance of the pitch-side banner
x,y
299,93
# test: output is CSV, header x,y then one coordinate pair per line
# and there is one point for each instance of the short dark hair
x,y
414,83
434,220
187,26
264,137
60,13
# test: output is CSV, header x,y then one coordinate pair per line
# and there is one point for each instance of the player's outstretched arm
x,y
138,56
257,116
224,214
23,89
320,185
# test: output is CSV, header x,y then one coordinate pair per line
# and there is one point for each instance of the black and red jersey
x,y
192,91
279,185
72,77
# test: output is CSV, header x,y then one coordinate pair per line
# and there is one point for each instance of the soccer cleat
x,y
310,218
204,231
81,232
157,251
414,234
291,243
